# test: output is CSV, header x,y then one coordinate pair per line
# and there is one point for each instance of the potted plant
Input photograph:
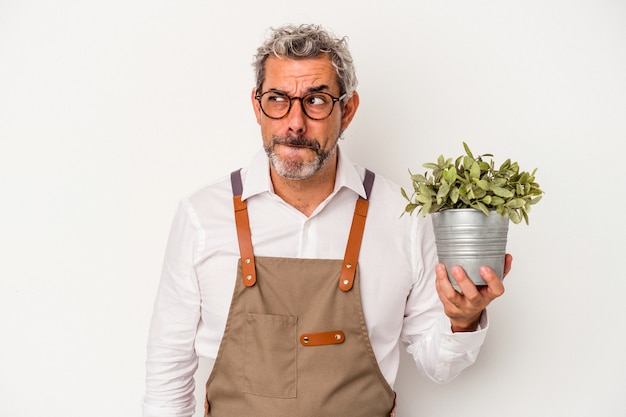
x,y
472,202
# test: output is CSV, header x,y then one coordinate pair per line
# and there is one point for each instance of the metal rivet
x,y
306,339
346,282
249,277
338,336
348,266
247,260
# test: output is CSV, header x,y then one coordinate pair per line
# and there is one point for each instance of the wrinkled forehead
x,y
299,76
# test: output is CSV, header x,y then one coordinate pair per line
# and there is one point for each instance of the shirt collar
x,y
257,179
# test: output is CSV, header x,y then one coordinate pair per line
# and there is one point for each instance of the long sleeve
x,y
439,353
171,358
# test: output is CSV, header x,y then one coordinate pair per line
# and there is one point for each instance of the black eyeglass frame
x,y
301,99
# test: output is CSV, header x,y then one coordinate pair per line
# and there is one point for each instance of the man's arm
x,y
171,359
439,348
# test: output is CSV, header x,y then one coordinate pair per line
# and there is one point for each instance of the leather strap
x,y
325,338
242,222
351,257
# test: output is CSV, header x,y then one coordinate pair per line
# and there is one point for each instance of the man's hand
x,y
464,310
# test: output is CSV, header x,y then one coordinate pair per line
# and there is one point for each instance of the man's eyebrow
x,y
314,89
318,88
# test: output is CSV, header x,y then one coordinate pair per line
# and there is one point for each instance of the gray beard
x,y
296,170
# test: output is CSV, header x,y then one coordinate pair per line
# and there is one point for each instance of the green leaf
x,y
418,178
454,194
475,171
479,193
422,198
449,175
483,184
443,192
523,179
467,150
498,182
480,206
426,190
410,208
516,203
502,192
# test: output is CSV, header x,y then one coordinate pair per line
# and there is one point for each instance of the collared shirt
x,y
396,266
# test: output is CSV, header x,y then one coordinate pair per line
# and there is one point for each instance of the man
x,y
297,274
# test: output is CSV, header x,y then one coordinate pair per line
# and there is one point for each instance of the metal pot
x,y
469,238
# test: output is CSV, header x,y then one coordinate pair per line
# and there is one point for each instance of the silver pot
x,y
469,238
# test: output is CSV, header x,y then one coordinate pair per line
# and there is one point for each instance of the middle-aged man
x,y
297,275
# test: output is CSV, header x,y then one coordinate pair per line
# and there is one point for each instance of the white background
x,y
111,112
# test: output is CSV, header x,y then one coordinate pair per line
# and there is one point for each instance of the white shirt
x,y
396,266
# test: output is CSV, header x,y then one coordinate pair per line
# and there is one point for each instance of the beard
x,y
296,169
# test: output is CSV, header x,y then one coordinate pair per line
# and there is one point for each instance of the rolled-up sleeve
x,y
439,354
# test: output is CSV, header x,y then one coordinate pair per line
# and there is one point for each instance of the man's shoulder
x,y
385,190
212,199
386,203
216,187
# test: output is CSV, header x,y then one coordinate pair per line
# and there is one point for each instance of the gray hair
x,y
307,41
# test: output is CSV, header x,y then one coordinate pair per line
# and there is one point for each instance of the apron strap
x,y
348,269
242,222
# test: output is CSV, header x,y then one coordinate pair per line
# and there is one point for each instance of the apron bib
x,y
295,342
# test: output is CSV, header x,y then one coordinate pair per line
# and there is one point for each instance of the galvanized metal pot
x,y
469,238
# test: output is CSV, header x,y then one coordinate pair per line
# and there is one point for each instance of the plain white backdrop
x,y
111,112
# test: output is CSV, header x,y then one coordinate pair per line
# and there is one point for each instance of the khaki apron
x,y
295,342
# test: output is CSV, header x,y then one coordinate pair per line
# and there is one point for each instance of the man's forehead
x,y
311,73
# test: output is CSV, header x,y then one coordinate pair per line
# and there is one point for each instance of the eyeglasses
x,y
316,106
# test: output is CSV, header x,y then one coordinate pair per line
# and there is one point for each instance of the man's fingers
x,y
508,262
495,287
444,287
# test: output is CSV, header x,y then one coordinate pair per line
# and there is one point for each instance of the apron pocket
x,y
270,355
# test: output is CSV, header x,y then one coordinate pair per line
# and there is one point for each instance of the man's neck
x,y
306,195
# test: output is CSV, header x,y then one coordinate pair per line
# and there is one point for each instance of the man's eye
x,y
316,100
277,98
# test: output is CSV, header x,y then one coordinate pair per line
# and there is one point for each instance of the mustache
x,y
296,141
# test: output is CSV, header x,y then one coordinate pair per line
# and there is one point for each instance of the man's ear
x,y
349,110
256,106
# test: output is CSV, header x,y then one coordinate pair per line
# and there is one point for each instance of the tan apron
x,y
295,342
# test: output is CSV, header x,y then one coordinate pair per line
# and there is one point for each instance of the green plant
x,y
470,182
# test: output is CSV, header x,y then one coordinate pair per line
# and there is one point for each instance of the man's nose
x,y
296,117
